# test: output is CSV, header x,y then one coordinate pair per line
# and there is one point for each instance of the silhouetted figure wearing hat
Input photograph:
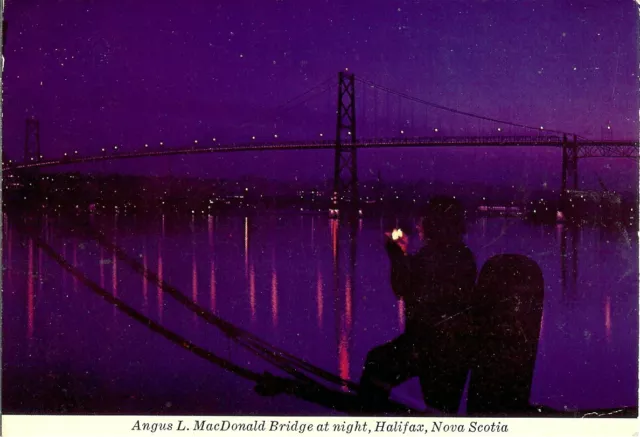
x,y
437,286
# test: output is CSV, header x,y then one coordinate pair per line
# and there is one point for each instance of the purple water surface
x,y
291,281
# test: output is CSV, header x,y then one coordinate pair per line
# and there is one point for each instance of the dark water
x,y
291,281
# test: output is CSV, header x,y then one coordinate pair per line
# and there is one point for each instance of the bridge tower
x,y
32,141
569,168
345,181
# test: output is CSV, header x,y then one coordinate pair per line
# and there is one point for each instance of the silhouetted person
x,y
436,285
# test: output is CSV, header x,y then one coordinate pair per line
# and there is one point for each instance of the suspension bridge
x,y
360,119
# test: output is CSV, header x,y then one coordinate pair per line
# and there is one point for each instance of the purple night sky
x,y
96,75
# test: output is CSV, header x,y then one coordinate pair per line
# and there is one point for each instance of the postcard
x,y
280,217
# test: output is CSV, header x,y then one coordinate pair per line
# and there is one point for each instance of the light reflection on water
x,y
145,281
30,291
212,266
319,296
8,248
316,288
607,318
160,294
274,290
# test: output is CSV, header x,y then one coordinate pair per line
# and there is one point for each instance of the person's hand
x,y
402,241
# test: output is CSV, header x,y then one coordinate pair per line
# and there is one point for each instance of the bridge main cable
x,y
457,111
321,87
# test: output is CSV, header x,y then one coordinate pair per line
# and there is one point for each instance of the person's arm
x,y
400,269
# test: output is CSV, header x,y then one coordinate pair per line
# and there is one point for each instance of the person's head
x,y
443,220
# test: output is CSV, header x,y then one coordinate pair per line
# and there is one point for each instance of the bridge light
x,y
146,145
214,140
115,147
499,129
32,158
541,127
275,136
609,127
40,156
349,133
103,149
75,151
401,131
161,143
196,141
253,138
65,153
435,130
321,135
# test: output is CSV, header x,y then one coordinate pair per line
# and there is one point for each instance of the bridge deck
x,y
587,148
